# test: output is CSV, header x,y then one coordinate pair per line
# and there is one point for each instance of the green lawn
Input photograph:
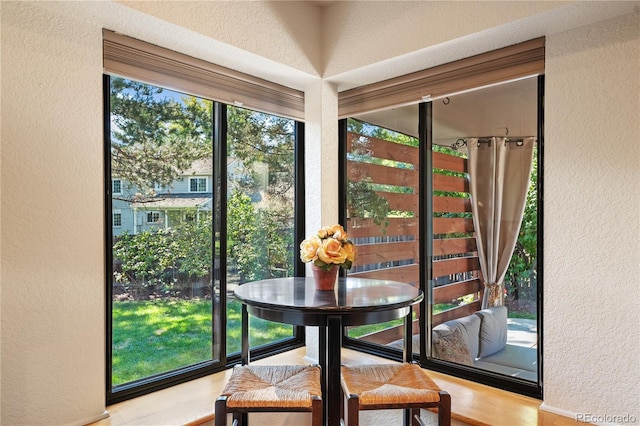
x,y
156,336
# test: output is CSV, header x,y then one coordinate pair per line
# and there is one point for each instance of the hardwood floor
x,y
191,403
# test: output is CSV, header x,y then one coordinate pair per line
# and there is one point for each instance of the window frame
x,y
198,180
113,185
225,361
116,213
153,214
512,384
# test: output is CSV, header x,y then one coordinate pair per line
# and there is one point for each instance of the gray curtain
x,y
499,174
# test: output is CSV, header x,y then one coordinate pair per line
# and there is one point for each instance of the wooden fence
x,y
390,250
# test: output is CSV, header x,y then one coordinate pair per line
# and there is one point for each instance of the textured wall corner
x,y
592,225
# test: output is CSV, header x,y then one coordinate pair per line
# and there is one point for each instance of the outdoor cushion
x,y
519,357
453,348
469,328
493,330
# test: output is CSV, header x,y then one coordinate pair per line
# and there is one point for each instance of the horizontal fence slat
x,y
385,336
454,246
409,274
455,266
362,228
449,292
450,183
451,205
379,148
391,334
386,252
375,173
400,202
452,225
449,162
458,312
379,254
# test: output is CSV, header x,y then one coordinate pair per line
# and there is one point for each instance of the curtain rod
x,y
518,140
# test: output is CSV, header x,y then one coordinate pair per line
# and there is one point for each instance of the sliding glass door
x,y
484,283
446,195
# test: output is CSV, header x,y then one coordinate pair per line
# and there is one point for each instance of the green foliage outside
x,y
164,261
154,138
258,239
521,279
160,322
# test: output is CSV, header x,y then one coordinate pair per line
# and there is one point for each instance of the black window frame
x,y
162,381
523,387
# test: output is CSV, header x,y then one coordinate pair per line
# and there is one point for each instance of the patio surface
x,y
522,332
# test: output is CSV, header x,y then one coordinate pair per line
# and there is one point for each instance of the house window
x,y
117,219
197,184
153,217
175,277
116,186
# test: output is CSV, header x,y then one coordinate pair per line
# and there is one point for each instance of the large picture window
x,y
179,244
446,195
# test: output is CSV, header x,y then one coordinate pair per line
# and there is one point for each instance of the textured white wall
x,y
321,171
366,42
284,32
592,219
52,278
357,34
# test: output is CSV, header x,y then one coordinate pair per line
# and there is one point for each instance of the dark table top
x,y
356,300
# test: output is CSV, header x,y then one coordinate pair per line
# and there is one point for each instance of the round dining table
x,y
353,302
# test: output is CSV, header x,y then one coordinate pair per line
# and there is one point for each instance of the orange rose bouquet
x,y
328,247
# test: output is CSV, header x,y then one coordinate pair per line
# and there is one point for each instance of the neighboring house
x,y
186,198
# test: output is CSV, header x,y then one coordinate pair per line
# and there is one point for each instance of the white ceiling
x,y
345,65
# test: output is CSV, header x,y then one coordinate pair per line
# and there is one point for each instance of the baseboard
x,y
310,360
559,411
90,420
591,418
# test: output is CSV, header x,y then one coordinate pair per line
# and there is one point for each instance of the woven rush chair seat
x,y
392,386
253,388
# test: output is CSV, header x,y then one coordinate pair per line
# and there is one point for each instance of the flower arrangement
x,y
330,246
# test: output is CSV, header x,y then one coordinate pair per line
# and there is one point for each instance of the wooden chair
x,y
393,386
268,388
